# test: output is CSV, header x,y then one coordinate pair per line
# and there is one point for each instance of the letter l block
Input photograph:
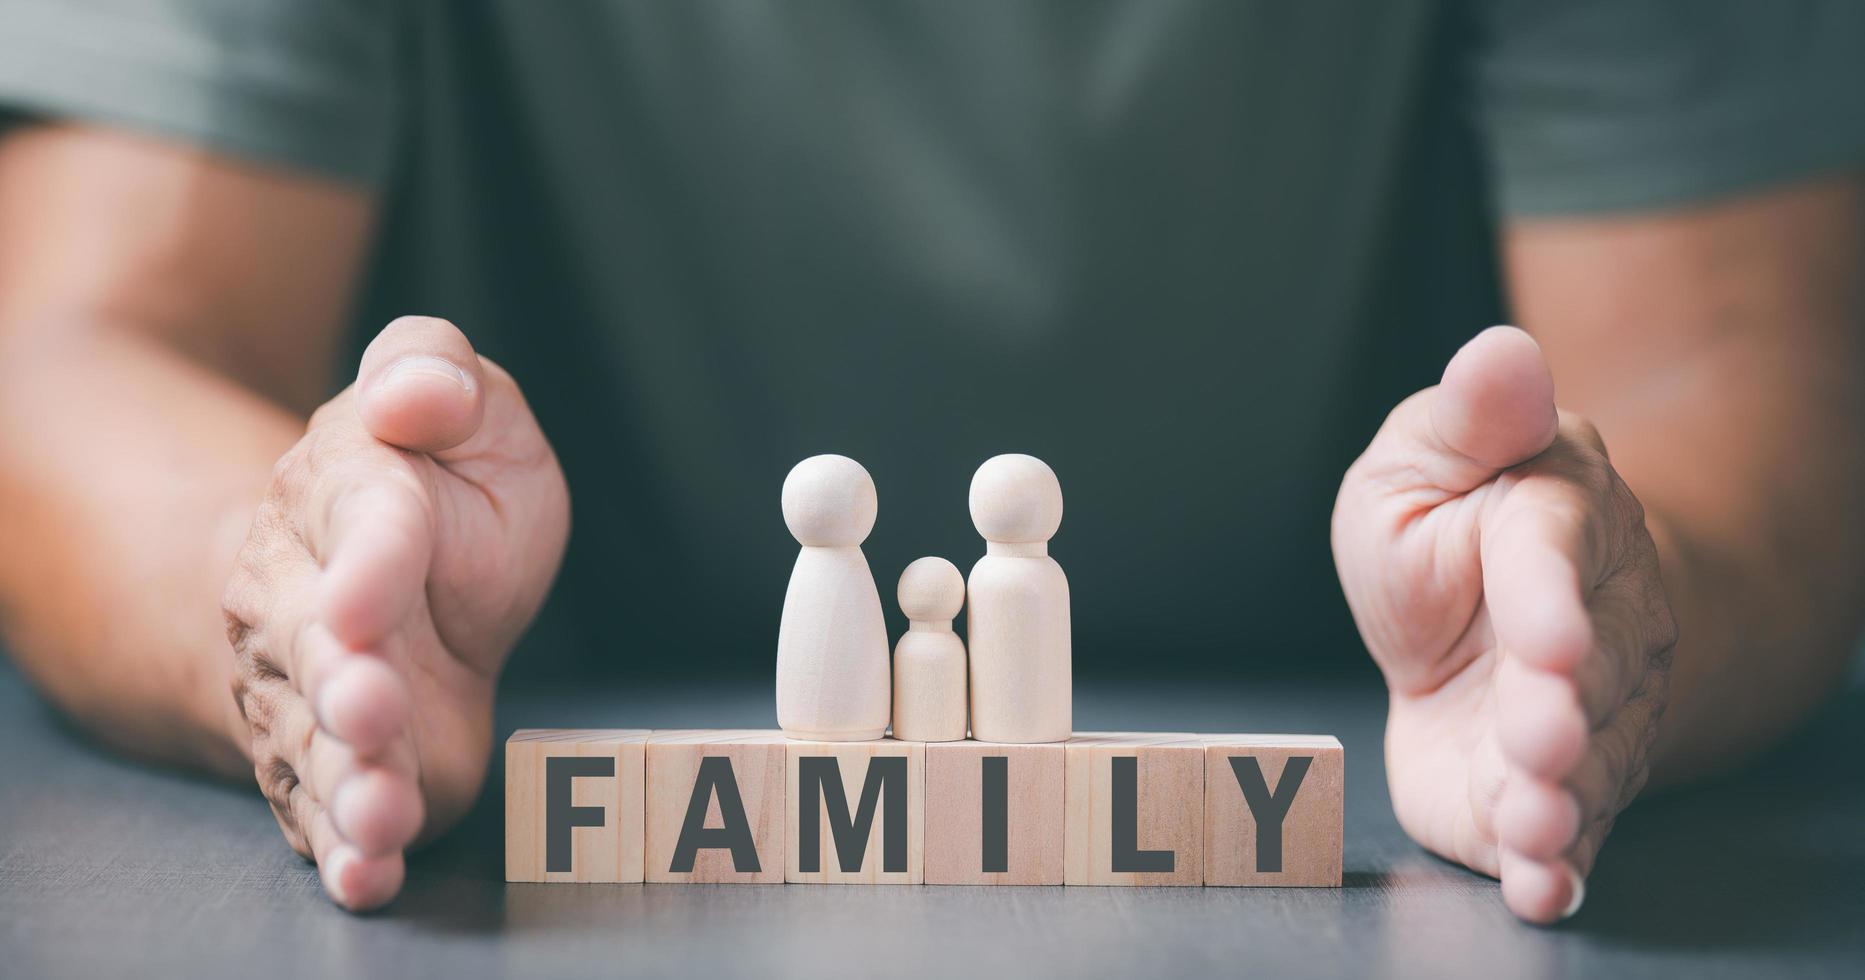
x,y
1135,809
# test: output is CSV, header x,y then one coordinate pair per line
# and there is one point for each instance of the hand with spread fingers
x,y
1504,580
402,546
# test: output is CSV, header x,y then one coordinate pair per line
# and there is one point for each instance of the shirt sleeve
x,y
305,84
1615,105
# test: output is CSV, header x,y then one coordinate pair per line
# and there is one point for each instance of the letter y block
x,y
1273,809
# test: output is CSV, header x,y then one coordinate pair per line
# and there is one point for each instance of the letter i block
x,y
1273,809
857,811
993,814
574,804
716,806
1135,809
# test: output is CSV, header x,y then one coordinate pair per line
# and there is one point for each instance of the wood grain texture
x,y
1169,807
832,654
757,763
1311,830
853,760
930,675
611,852
1033,800
1017,620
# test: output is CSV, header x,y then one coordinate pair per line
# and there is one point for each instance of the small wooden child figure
x,y
929,662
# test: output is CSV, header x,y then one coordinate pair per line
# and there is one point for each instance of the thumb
x,y
1495,406
420,386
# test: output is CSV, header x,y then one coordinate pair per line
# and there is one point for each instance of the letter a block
x,y
574,802
1273,809
716,806
993,814
1135,809
856,812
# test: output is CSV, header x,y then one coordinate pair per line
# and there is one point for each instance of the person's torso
x,y
1185,252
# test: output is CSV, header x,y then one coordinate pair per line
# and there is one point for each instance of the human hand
x,y
1504,579
403,545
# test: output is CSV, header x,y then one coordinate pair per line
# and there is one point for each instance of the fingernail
x,y
337,809
428,365
334,865
321,707
1580,893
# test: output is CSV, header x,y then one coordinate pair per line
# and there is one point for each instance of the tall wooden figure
x,y
1018,616
832,676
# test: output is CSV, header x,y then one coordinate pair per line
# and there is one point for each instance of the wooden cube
x,y
574,804
1273,808
856,812
1135,812
716,806
993,813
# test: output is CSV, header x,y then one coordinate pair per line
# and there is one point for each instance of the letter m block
x,y
857,812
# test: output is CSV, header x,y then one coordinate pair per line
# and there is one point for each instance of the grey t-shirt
x,y
1187,252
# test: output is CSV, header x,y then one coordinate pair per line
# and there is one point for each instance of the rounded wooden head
x,y
1016,499
931,590
829,502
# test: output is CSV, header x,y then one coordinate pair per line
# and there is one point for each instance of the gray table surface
x,y
108,868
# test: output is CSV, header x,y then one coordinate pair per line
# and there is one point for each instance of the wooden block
x,y
869,797
724,792
574,804
994,813
1135,813
1273,807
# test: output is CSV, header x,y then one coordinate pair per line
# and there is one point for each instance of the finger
x,y
1495,405
1540,724
1539,559
355,697
372,531
420,385
1493,409
1619,663
355,880
1615,768
374,804
364,702
1541,892
1537,819
352,879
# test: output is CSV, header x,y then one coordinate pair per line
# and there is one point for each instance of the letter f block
x,y
574,803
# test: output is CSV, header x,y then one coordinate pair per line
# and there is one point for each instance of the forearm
x,y
128,478
1763,639
1720,351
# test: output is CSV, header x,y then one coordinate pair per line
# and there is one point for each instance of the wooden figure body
x,y
832,672
1017,621
929,661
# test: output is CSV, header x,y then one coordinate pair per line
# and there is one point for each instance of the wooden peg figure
x,y
1018,606
929,661
832,682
